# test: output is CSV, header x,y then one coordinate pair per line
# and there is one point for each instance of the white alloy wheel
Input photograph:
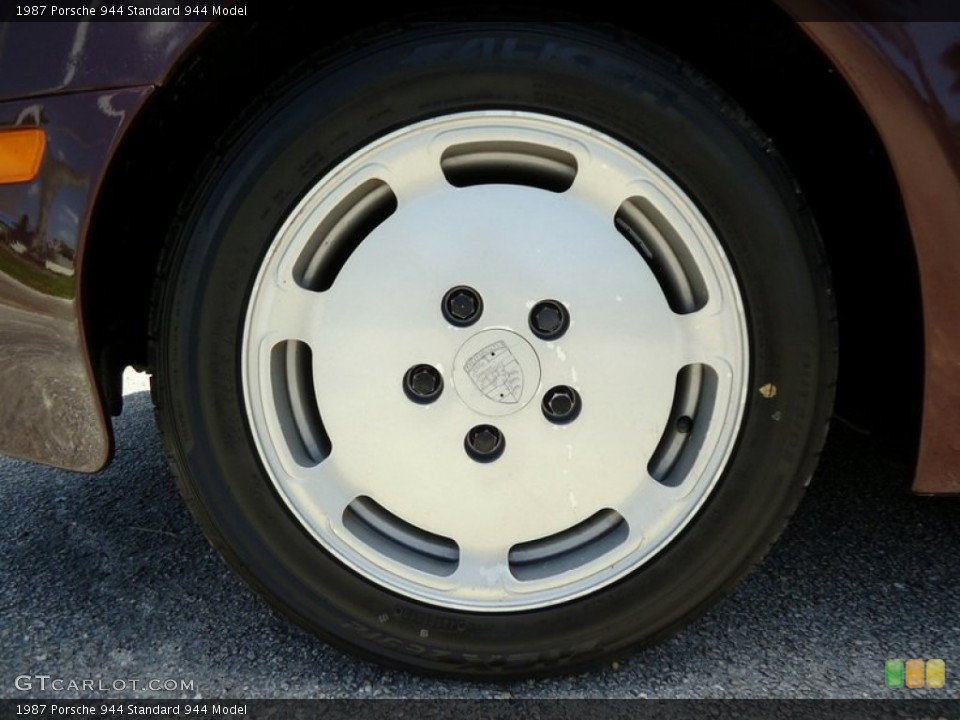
x,y
350,300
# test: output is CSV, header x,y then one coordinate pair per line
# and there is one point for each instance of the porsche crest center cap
x,y
496,372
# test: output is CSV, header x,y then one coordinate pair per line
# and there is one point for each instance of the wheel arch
x,y
787,84
773,69
150,174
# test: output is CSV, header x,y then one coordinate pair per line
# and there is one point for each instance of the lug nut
x,y
684,424
423,384
561,404
484,443
549,319
462,306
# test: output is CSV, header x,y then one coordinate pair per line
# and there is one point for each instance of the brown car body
x,y
105,94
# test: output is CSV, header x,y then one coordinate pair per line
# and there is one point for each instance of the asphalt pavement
x,y
106,580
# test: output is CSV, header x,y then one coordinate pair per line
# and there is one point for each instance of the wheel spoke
x,y
653,509
321,493
292,314
482,571
709,336
603,182
412,173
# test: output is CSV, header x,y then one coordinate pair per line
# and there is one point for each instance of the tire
x,y
494,349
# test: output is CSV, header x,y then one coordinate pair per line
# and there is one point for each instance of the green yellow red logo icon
x,y
915,673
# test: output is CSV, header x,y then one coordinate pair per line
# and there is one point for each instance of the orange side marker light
x,y
21,151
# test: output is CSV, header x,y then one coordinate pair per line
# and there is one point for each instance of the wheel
x,y
494,349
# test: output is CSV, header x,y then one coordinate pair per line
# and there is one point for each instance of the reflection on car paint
x,y
51,411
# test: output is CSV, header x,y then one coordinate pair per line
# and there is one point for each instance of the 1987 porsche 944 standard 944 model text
x,y
485,346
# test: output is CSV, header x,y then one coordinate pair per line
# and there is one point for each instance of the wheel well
x,y
767,64
157,162
787,86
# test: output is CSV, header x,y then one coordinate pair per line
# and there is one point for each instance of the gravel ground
x,y
107,578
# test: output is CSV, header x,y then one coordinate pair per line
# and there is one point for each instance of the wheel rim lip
x,y
385,572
